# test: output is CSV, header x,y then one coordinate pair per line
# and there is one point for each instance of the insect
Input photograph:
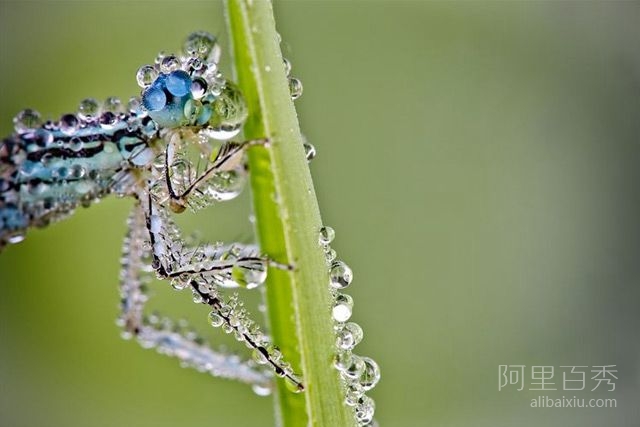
x,y
170,149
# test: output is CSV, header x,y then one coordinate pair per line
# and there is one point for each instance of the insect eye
x,y
178,83
166,97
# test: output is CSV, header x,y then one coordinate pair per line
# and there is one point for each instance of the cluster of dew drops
x,y
359,374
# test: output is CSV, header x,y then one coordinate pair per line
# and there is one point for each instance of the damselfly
x,y
170,150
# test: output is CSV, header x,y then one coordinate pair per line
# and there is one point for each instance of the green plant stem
x,y
288,222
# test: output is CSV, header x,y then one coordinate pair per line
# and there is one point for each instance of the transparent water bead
x,y
88,109
330,255
215,319
295,87
146,75
342,308
355,369
261,390
348,336
287,66
112,105
309,151
365,410
229,114
340,275
169,64
353,393
69,124
27,120
199,44
327,234
370,375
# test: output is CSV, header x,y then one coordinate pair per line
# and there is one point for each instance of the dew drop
x,y
108,120
295,87
112,105
88,109
327,234
261,390
259,357
287,66
343,360
343,308
134,106
309,151
146,75
330,255
27,120
229,114
39,138
355,369
370,374
69,124
198,88
341,275
353,393
215,319
169,64
226,185
365,409
199,44
349,336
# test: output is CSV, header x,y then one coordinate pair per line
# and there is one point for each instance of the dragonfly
x,y
170,149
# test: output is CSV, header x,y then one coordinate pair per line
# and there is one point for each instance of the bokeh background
x,y
478,160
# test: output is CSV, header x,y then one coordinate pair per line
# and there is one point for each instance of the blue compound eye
x,y
154,98
166,97
178,83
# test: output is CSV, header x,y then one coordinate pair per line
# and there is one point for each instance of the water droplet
x,y
355,369
330,255
343,360
309,151
259,357
198,87
343,308
370,375
287,66
295,87
229,113
226,185
349,336
39,138
108,120
88,109
27,120
134,105
215,319
327,234
169,63
146,75
112,105
69,124
365,409
250,276
353,393
199,44
15,238
261,390
341,275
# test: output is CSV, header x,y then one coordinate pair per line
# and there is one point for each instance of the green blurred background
x,y
478,161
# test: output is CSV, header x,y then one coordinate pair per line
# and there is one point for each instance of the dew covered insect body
x,y
170,150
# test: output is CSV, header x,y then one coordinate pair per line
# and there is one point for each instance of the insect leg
x,y
154,332
169,257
